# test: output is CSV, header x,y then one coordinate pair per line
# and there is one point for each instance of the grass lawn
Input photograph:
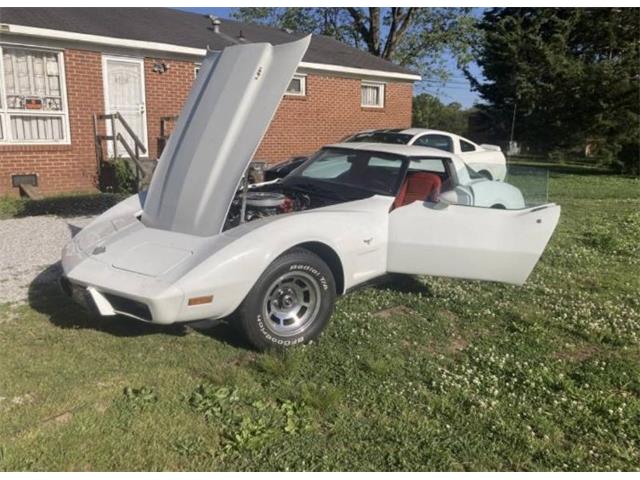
x,y
68,205
414,375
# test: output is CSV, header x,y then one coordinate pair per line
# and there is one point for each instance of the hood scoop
x,y
221,125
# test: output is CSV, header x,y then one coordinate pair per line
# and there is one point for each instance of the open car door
x,y
469,242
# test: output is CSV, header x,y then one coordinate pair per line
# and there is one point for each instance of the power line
x,y
454,77
449,85
450,88
434,82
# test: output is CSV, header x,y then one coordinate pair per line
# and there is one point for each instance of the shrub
x,y
126,179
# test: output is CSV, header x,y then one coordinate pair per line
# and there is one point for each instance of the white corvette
x,y
277,255
487,160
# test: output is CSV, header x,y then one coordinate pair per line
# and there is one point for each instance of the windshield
x,y
343,170
381,137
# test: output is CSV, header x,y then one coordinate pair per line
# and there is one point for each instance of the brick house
x,y
60,66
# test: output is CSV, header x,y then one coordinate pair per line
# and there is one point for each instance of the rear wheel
x,y
291,302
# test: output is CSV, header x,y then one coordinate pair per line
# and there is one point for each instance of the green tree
x,y
430,112
413,37
571,77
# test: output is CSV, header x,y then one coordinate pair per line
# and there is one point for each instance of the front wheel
x,y
291,302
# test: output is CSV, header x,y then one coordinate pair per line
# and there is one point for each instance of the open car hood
x,y
221,125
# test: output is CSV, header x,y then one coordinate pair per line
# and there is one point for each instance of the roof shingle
x,y
186,29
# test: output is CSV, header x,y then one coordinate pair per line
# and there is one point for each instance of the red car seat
x,y
422,186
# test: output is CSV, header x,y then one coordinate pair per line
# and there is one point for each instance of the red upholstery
x,y
420,186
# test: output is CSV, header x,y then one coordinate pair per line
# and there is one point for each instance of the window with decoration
x,y
33,106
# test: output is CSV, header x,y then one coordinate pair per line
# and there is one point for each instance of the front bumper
x,y
108,291
105,304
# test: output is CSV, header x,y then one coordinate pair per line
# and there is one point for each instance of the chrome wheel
x,y
291,304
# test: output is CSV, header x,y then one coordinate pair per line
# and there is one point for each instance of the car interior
x,y
426,178
376,172
423,186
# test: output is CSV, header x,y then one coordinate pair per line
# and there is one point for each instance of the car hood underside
x,y
221,125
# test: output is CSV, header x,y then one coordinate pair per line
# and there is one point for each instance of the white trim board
x,y
197,52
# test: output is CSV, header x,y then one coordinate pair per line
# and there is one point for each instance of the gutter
x,y
179,49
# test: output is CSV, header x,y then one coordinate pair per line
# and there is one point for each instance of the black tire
x,y
299,282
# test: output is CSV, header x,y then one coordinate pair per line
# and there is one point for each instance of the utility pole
x,y
513,121
512,147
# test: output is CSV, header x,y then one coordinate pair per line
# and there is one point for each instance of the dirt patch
x,y
454,345
457,344
243,359
447,315
62,419
577,353
397,311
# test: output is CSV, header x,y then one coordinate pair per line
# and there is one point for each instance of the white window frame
x,y
303,86
5,112
381,89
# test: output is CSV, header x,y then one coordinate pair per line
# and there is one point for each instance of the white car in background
x,y
274,257
487,160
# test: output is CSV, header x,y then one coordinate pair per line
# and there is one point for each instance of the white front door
x,y
124,93
469,242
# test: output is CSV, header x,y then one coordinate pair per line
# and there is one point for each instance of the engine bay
x,y
270,200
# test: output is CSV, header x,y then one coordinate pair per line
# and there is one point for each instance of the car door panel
x,y
469,242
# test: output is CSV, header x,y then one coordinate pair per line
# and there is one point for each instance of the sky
x,y
457,88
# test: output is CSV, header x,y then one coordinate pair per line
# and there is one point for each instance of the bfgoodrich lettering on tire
x,y
291,302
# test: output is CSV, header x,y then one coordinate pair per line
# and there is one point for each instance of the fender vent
x,y
126,306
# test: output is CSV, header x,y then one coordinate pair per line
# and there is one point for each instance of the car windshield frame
x,y
295,178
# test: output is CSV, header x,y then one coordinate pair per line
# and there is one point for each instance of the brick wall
x,y
64,168
165,92
329,111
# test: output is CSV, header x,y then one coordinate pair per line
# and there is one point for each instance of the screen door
x,y
124,93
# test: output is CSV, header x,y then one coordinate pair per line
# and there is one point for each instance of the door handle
x,y
142,108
